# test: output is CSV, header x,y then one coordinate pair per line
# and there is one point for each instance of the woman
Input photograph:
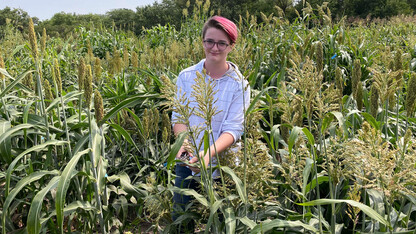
x,y
231,99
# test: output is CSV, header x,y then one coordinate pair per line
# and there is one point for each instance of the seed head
x,y
134,60
90,52
98,106
165,136
125,57
398,64
374,100
43,41
411,95
88,85
146,122
48,90
97,70
2,77
32,40
28,81
166,124
57,76
116,62
81,74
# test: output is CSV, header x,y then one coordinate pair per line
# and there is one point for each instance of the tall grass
x,y
329,139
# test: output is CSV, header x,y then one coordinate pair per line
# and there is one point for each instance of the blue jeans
x,y
180,201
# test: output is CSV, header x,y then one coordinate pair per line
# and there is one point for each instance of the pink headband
x,y
229,27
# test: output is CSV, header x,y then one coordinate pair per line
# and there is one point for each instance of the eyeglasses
x,y
209,44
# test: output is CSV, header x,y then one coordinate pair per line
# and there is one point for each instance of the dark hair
x,y
212,23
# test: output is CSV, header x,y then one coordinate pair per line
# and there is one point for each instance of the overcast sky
x,y
45,9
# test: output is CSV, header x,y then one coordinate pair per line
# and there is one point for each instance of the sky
x,y
45,9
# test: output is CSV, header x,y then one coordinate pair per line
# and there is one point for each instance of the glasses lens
x,y
221,45
209,44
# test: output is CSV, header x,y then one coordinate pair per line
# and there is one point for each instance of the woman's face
x,y
215,54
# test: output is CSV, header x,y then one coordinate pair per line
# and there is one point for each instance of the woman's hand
x,y
195,160
184,150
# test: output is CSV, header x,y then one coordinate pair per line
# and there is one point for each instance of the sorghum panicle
x,y
43,41
48,90
134,60
2,77
97,70
33,40
57,76
88,85
374,100
339,81
411,95
28,81
98,106
125,57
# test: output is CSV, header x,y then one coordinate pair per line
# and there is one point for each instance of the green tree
x,y
122,18
17,17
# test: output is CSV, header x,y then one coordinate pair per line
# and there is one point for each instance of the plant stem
x,y
66,127
94,172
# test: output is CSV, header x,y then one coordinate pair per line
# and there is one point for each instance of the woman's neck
x,y
216,70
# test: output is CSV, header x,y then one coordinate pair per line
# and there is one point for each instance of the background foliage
x,y
329,144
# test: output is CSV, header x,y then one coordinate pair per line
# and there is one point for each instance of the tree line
x,y
173,12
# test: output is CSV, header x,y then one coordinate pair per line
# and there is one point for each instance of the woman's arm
x,y
222,143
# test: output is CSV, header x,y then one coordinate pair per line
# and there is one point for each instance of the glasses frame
x,y
218,43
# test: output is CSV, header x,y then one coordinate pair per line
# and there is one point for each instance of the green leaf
x,y
71,208
132,101
277,223
309,135
33,217
95,142
63,187
238,183
13,130
126,184
312,184
248,222
5,145
366,209
19,186
306,173
341,121
326,122
175,148
371,120
190,192
15,81
124,133
293,137
230,220
212,211
35,148
69,96
257,98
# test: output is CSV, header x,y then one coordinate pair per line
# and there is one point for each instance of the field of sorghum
x,y
329,144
